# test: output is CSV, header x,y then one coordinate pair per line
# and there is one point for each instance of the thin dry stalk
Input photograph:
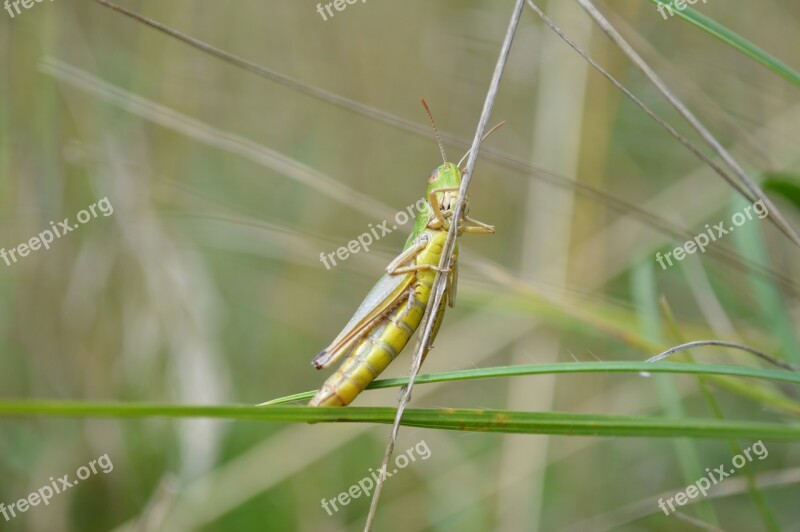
x,y
447,253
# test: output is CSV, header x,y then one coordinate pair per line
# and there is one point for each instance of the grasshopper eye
x,y
433,176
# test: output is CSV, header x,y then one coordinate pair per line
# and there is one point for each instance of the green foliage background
x,y
205,286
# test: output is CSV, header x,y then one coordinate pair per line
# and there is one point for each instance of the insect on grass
x,y
391,312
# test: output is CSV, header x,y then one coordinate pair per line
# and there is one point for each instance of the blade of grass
x,y
735,40
448,250
570,367
773,307
500,421
776,216
659,120
784,184
645,296
752,487
639,103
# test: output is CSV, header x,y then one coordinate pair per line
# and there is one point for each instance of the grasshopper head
x,y
443,186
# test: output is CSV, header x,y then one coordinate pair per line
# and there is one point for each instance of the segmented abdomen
x,y
369,357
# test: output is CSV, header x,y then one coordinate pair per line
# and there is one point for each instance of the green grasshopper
x,y
393,309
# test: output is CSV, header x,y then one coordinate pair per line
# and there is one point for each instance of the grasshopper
x,y
393,309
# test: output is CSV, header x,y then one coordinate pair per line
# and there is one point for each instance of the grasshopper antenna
x,y
495,128
435,131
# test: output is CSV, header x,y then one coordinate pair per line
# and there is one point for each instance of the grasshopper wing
x,y
384,296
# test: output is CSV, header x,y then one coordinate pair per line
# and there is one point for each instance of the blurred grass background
x,y
205,285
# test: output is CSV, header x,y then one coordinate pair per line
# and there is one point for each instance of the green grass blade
x,y
784,184
571,367
774,309
502,421
735,40
644,289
